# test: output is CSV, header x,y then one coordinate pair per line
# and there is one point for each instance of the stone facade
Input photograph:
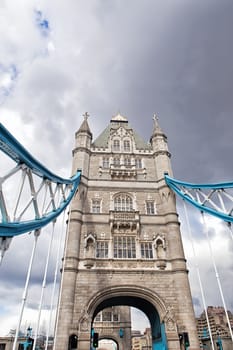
x,y
123,238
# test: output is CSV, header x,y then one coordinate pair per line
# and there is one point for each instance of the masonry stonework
x,y
124,244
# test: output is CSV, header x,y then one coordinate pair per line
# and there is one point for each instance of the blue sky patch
x,y
8,76
42,23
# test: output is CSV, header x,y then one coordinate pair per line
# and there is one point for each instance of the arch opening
x,y
107,343
158,336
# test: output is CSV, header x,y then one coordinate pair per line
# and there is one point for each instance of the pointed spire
x,y
156,128
157,131
85,126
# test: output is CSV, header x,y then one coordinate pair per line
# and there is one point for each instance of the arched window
x,y
123,202
116,145
126,145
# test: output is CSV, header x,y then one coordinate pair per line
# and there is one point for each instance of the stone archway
x,y
162,321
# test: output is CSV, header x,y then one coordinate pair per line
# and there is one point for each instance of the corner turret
x,y
81,152
159,145
84,134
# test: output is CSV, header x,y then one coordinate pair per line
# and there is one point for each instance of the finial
x,y
86,115
156,117
156,120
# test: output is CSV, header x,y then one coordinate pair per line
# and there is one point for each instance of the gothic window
x,y
124,247
105,162
150,207
138,163
123,202
95,206
116,145
127,162
146,250
116,161
126,146
101,249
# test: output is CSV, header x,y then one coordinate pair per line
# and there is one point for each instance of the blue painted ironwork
x,y
12,148
215,199
27,163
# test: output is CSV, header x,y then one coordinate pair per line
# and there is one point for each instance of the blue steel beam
x,y
181,188
13,149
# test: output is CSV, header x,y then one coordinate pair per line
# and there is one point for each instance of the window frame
x,y
116,145
146,249
138,163
102,250
124,247
95,209
105,162
123,202
150,207
116,161
126,145
106,313
127,162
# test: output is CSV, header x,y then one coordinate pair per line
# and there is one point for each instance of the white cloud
x,y
140,57
208,253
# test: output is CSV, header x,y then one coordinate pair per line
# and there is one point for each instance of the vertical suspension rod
x,y
43,287
217,275
25,292
198,275
55,281
62,277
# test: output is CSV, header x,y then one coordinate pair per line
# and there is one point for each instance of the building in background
x,y
141,341
113,326
218,325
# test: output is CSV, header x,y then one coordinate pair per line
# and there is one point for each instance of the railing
x,y
124,220
123,170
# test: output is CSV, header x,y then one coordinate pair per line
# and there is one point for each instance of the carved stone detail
x,y
169,319
84,322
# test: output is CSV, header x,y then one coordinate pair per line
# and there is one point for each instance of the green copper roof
x,y
102,140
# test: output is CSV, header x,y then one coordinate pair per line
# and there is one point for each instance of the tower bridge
x,y
123,241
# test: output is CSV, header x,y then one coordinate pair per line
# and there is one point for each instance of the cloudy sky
x,y
59,59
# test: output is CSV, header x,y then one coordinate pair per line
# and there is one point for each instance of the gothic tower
x,y
123,242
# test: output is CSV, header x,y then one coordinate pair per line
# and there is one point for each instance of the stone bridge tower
x,y
123,239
